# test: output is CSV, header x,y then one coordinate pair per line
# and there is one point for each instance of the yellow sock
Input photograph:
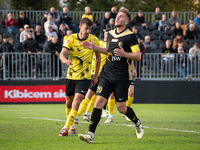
x,y
70,118
111,106
68,111
91,103
83,106
129,101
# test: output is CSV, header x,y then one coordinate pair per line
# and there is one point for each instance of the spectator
x,y
6,47
25,32
191,21
180,44
156,17
15,47
182,64
1,41
106,20
44,19
191,34
22,21
68,33
24,39
10,23
177,30
31,46
61,33
135,30
54,48
51,33
66,20
111,24
139,19
166,51
179,38
39,35
194,52
164,24
148,44
173,20
113,12
55,16
91,17
48,23
197,19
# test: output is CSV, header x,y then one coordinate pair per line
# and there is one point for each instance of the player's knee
x,y
131,93
121,110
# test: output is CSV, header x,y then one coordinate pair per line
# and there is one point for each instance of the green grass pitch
x,y
167,127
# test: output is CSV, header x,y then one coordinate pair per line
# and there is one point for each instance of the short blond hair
x,y
126,11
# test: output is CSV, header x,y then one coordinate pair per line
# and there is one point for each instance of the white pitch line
x,y
128,125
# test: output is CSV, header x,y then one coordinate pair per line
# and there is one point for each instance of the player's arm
x,y
132,56
63,59
91,45
133,68
97,66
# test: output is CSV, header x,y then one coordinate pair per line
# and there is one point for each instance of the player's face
x,y
85,30
121,19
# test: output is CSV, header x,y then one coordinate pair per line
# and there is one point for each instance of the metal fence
x,y
46,66
76,15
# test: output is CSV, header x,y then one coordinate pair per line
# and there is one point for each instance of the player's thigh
x,y
121,91
90,93
112,96
105,88
82,86
100,102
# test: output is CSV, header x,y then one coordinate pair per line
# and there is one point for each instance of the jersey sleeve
x,y
134,44
67,43
96,42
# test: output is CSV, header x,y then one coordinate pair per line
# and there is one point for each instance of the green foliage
x,y
33,5
28,127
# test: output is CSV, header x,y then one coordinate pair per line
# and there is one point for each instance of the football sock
x,y
68,111
91,104
83,106
95,118
129,101
70,118
131,115
111,106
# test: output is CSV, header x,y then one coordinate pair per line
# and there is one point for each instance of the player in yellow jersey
x,y
79,71
111,101
90,97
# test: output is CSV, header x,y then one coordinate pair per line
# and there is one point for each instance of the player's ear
x,y
79,26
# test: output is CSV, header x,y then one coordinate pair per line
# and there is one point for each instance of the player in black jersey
x,y
122,47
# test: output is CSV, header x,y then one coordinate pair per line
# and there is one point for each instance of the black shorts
x,y
76,86
131,82
94,88
120,89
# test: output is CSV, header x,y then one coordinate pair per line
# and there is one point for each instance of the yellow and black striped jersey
x,y
116,67
103,59
81,57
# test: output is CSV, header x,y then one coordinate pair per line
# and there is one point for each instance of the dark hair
x,y
86,21
196,44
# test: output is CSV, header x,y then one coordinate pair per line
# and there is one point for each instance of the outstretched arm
x,y
91,45
97,66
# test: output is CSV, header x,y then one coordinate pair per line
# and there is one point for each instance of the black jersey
x,y
117,67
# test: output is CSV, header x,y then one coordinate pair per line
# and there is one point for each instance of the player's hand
x,y
119,51
89,45
39,52
68,62
94,80
134,73
29,52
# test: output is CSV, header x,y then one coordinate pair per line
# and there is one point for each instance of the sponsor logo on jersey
x,y
66,42
80,42
120,44
114,40
110,57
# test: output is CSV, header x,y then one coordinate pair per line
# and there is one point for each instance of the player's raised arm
x,y
91,45
63,59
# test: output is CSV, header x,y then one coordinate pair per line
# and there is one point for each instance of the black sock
x,y
131,115
104,107
95,118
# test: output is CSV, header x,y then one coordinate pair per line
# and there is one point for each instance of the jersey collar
x,y
119,32
81,39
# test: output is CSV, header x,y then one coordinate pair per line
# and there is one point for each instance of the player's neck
x,y
120,29
81,36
